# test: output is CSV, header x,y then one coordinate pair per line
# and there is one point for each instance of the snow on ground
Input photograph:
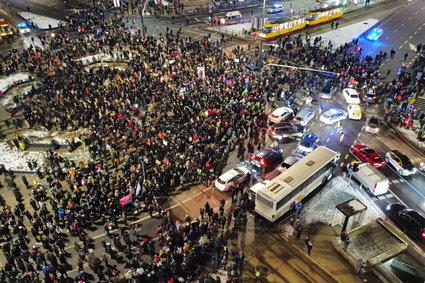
x,y
346,34
321,208
7,99
44,136
41,22
16,159
28,41
97,57
8,81
237,29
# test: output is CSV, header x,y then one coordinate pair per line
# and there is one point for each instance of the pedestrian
x,y
308,245
336,25
341,137
332,25
358,266
405,56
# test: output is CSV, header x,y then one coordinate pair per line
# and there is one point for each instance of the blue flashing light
x,y
23,25
375,34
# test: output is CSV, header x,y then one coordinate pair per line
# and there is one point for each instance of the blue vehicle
x,y
375,34
309,142
23,28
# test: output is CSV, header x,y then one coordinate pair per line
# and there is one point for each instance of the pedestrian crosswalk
x,y
396,181
388,195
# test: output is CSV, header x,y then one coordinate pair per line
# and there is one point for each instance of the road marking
x,y
381,197
395,31
405,42
410,18
395,181
400,46
196,19
415,32
382,65
401,180
419,28
410,37
327,140
402,25
387,37
415,13
358,135
389,195
332,132
346,156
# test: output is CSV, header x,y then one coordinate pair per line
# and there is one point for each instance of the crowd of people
x,y
168,118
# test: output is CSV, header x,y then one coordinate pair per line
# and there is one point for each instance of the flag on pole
x,y
125,199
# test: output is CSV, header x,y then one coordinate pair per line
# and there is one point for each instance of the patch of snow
x,y
41,22
80,154
8,81
7,100
44,136
342,35
97,58
28,41
335,192
16,160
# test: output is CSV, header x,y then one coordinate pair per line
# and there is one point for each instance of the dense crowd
x,y
169,117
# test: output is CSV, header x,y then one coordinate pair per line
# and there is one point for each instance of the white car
x,y
354,112
351,96
400,162
280,114
333,115
275,8
372,125
231,178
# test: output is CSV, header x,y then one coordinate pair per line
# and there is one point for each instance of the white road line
x,y
327,140
332,132
401,180
346,156
405,42
395,31
402,25
415,32
419,28
358,135
197,19
410,37
410,18
382,64
395,181
400,47
388,195
387,37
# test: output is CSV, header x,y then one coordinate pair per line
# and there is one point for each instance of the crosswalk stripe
x,y
401,180
395,181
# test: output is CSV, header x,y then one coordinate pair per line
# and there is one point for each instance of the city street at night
x,y
212,141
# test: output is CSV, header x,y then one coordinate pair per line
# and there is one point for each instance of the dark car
x,y
369,95
292,159
327,91
309,142
408,220
266,160
286,130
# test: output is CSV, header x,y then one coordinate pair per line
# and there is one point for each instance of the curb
x,y
406,140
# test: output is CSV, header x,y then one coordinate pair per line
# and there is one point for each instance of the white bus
x,y
294,184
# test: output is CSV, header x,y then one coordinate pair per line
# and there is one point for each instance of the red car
x,y
367,154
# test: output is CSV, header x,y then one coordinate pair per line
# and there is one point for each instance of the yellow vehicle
x,y
5,28
281,27
323,15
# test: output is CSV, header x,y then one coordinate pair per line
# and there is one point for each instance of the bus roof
x,y
297,173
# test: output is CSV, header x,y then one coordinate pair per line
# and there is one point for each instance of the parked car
x,y
275,8
327,91
369,95
231,178
408,220
372,125
309,142
286,130
333,115
351,96
354,111
280,114
266,160
366,154
304,115
400,162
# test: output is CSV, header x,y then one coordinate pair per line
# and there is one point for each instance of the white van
x,y
252,192
231,18
372,179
